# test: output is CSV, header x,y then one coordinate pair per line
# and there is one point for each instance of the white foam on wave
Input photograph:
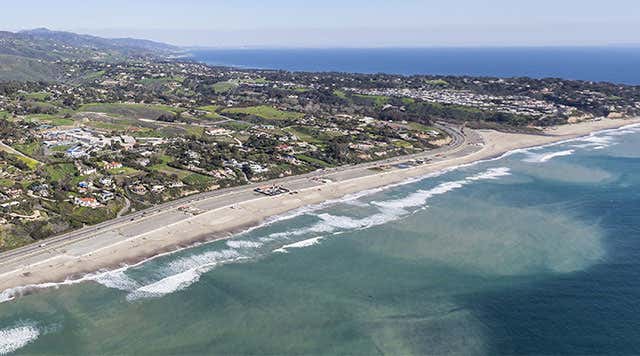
x,y
117,280
491,174
300,244
624,132
12,339
13,293
546,157
165,286
329,223
606,138
595,141
350,199
186,271
243,244
420,197
183,272
387,211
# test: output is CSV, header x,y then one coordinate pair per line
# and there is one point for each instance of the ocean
x,y
610,64
533,253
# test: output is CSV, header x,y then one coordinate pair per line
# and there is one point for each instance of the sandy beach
x,y
116,247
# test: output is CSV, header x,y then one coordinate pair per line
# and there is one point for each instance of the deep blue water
x,y
612,64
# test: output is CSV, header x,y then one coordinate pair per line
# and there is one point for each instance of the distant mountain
x,y
55,45
30,54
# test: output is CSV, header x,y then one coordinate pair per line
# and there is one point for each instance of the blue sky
x,y
344,23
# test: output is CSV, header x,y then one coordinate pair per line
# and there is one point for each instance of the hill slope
x,y
27,69
31,55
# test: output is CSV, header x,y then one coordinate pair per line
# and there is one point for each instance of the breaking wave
x,y
239,244
420,197
595,142
184,272
12,339
117,280
300,244
546,157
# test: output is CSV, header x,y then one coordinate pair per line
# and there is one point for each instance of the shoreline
x,y
78,261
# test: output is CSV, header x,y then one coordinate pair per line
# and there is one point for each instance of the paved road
x,y
111,231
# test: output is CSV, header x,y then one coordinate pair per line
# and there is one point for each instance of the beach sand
x,y
226,221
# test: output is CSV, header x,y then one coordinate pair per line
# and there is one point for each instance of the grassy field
x,y
255,81
266,112
31,163
378,100
9,239
123,125
340,94
304,134
212,114
90,216
29,149
163,167
236,126
196,179
143,111
223,87
61,148
93,76
439,82
4,182
209,108
124,171
420,127
197,131
54,120
402,144
313,161
39,96
60,171
187,177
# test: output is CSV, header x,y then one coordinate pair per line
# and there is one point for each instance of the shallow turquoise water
x,y
533,253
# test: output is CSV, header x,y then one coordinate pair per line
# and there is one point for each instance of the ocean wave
x,y
183,272
596,141
8,295
546,157
15,338
604,139
421,197
208,258
117,280
349,199
243,244
300,244
165,286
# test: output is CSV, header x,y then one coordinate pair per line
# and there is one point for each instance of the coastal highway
x,y
89,238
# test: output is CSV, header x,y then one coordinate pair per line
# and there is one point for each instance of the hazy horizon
x,y
340,24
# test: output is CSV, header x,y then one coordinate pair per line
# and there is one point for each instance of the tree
x,y
246,169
